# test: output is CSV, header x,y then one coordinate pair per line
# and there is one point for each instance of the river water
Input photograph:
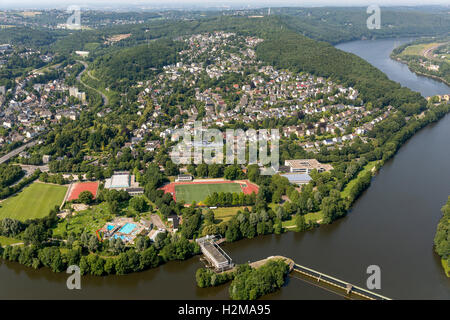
x,y
377,53
392,225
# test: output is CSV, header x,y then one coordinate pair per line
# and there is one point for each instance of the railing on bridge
x,y
347,287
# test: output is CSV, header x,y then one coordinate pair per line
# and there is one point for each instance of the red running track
x,y
246,186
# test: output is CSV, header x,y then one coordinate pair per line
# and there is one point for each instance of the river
x,y
392,225
377,52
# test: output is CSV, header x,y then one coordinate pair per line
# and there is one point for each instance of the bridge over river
x,y
220,261
349,289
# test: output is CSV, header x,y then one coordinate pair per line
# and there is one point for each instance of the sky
x,y
9,4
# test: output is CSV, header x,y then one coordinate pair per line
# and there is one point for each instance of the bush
x,y
251,284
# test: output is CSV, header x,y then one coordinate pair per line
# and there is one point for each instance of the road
x,y
156,220
428,53
21,243
16,151
13,244
104,97
29,169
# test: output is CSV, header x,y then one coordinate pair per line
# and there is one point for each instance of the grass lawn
x,y
444,264
368,167
34,201
288,223
309,217
4,241
199,192
417,49
313,216
225,214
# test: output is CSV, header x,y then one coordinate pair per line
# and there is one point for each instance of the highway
x,y
16,151
104,97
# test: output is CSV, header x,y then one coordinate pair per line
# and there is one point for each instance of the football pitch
x,y
34,201
199,192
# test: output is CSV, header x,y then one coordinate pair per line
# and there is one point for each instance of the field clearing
x,y
34,201
198,192
314,216
46,68
225,214
309,217
31,14
418,49
4,241
446,267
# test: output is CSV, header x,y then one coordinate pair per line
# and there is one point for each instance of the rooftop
x,y
118,180
215,253
307,164
297,177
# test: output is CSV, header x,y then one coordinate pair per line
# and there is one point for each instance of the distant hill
x,y
337,25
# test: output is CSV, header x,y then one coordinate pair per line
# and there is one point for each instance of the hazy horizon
x,y
232,4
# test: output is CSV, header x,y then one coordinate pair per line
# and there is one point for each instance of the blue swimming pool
x,y
109,227
127,228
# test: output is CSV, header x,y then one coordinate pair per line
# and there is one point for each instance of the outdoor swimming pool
x,y
127,228
109,227
122,237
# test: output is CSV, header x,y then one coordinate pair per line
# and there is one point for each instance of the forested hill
x,y
119,69
331,24
151,45
26,36
299,53
336,25
282,48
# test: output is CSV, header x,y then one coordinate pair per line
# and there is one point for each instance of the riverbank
x,y
446,267
442,238
431,76
377,52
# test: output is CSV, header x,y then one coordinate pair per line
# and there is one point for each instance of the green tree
x,y
93,244
139,204
96,264
149,258
35,234
300,223
202,170
109,266
233,172
86,197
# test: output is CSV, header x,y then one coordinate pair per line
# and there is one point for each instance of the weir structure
x,y
218,259
214,254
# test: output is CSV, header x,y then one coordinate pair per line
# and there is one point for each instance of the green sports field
x,y
34,201
199,192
